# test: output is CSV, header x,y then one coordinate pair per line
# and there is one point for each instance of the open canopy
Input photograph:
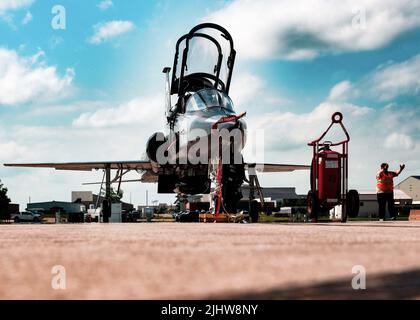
x,y
207,60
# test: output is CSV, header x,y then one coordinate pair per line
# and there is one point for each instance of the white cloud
x,y
140,111
60,109
395,79
110,30
386,83
300,29
8,6
24,79
27,18
105,4
284,130
249,91
399,140
340,90
11,150
244,88
14,4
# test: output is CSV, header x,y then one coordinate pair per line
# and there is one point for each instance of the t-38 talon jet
x,y
198,108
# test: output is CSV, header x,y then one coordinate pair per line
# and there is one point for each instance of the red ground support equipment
x,y
329,177
219,184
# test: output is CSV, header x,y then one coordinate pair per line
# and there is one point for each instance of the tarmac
x,y
210,261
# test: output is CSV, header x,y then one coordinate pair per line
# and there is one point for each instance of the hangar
x,y
91,200
369,202
56,206
411,186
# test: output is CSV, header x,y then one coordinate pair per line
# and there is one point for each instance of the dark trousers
x,y
383,199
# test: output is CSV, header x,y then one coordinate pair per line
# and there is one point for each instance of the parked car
x,y
28,216
93,215
132,216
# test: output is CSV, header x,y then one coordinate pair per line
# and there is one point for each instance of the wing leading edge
x,y
87,166
145,165
273,167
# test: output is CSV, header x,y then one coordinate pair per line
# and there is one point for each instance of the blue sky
x,y
94,91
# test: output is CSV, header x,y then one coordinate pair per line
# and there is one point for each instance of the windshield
x,y
208,98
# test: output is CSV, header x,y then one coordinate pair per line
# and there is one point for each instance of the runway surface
x,y
194,261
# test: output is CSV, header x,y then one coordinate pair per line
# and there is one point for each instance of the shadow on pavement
x,y
404,285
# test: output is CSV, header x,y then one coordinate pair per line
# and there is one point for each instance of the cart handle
x,y
337,118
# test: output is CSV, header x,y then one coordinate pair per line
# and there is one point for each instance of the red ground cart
x,y
329,177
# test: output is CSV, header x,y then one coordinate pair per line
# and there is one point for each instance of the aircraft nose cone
x,y
227,126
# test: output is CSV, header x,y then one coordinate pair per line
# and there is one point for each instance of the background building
x,y
411,186
274,197
89,199
369,202
51,207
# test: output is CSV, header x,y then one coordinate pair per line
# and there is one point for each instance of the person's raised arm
x,y
402,167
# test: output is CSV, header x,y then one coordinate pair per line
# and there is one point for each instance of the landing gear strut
x,y
106,203
254,187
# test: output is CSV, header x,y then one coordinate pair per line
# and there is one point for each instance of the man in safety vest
x,y
385,190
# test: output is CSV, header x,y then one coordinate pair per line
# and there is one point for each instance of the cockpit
x,y
208,98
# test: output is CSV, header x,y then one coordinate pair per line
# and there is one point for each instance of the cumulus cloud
x,y
387,82
24,79
284,130
109,30
244,88
340,91
395,79
301,29
399,140
139,111
62,109
6,5
10,150
105,4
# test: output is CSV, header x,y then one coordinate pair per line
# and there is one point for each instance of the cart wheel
x,y
312,206
353,203
254,211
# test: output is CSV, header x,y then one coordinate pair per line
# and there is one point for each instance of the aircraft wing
x,y
145,165
272,167
87,166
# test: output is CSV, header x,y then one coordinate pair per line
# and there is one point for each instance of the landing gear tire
x,y
344,215
353,203
312,206
232,179
254,211
17,220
